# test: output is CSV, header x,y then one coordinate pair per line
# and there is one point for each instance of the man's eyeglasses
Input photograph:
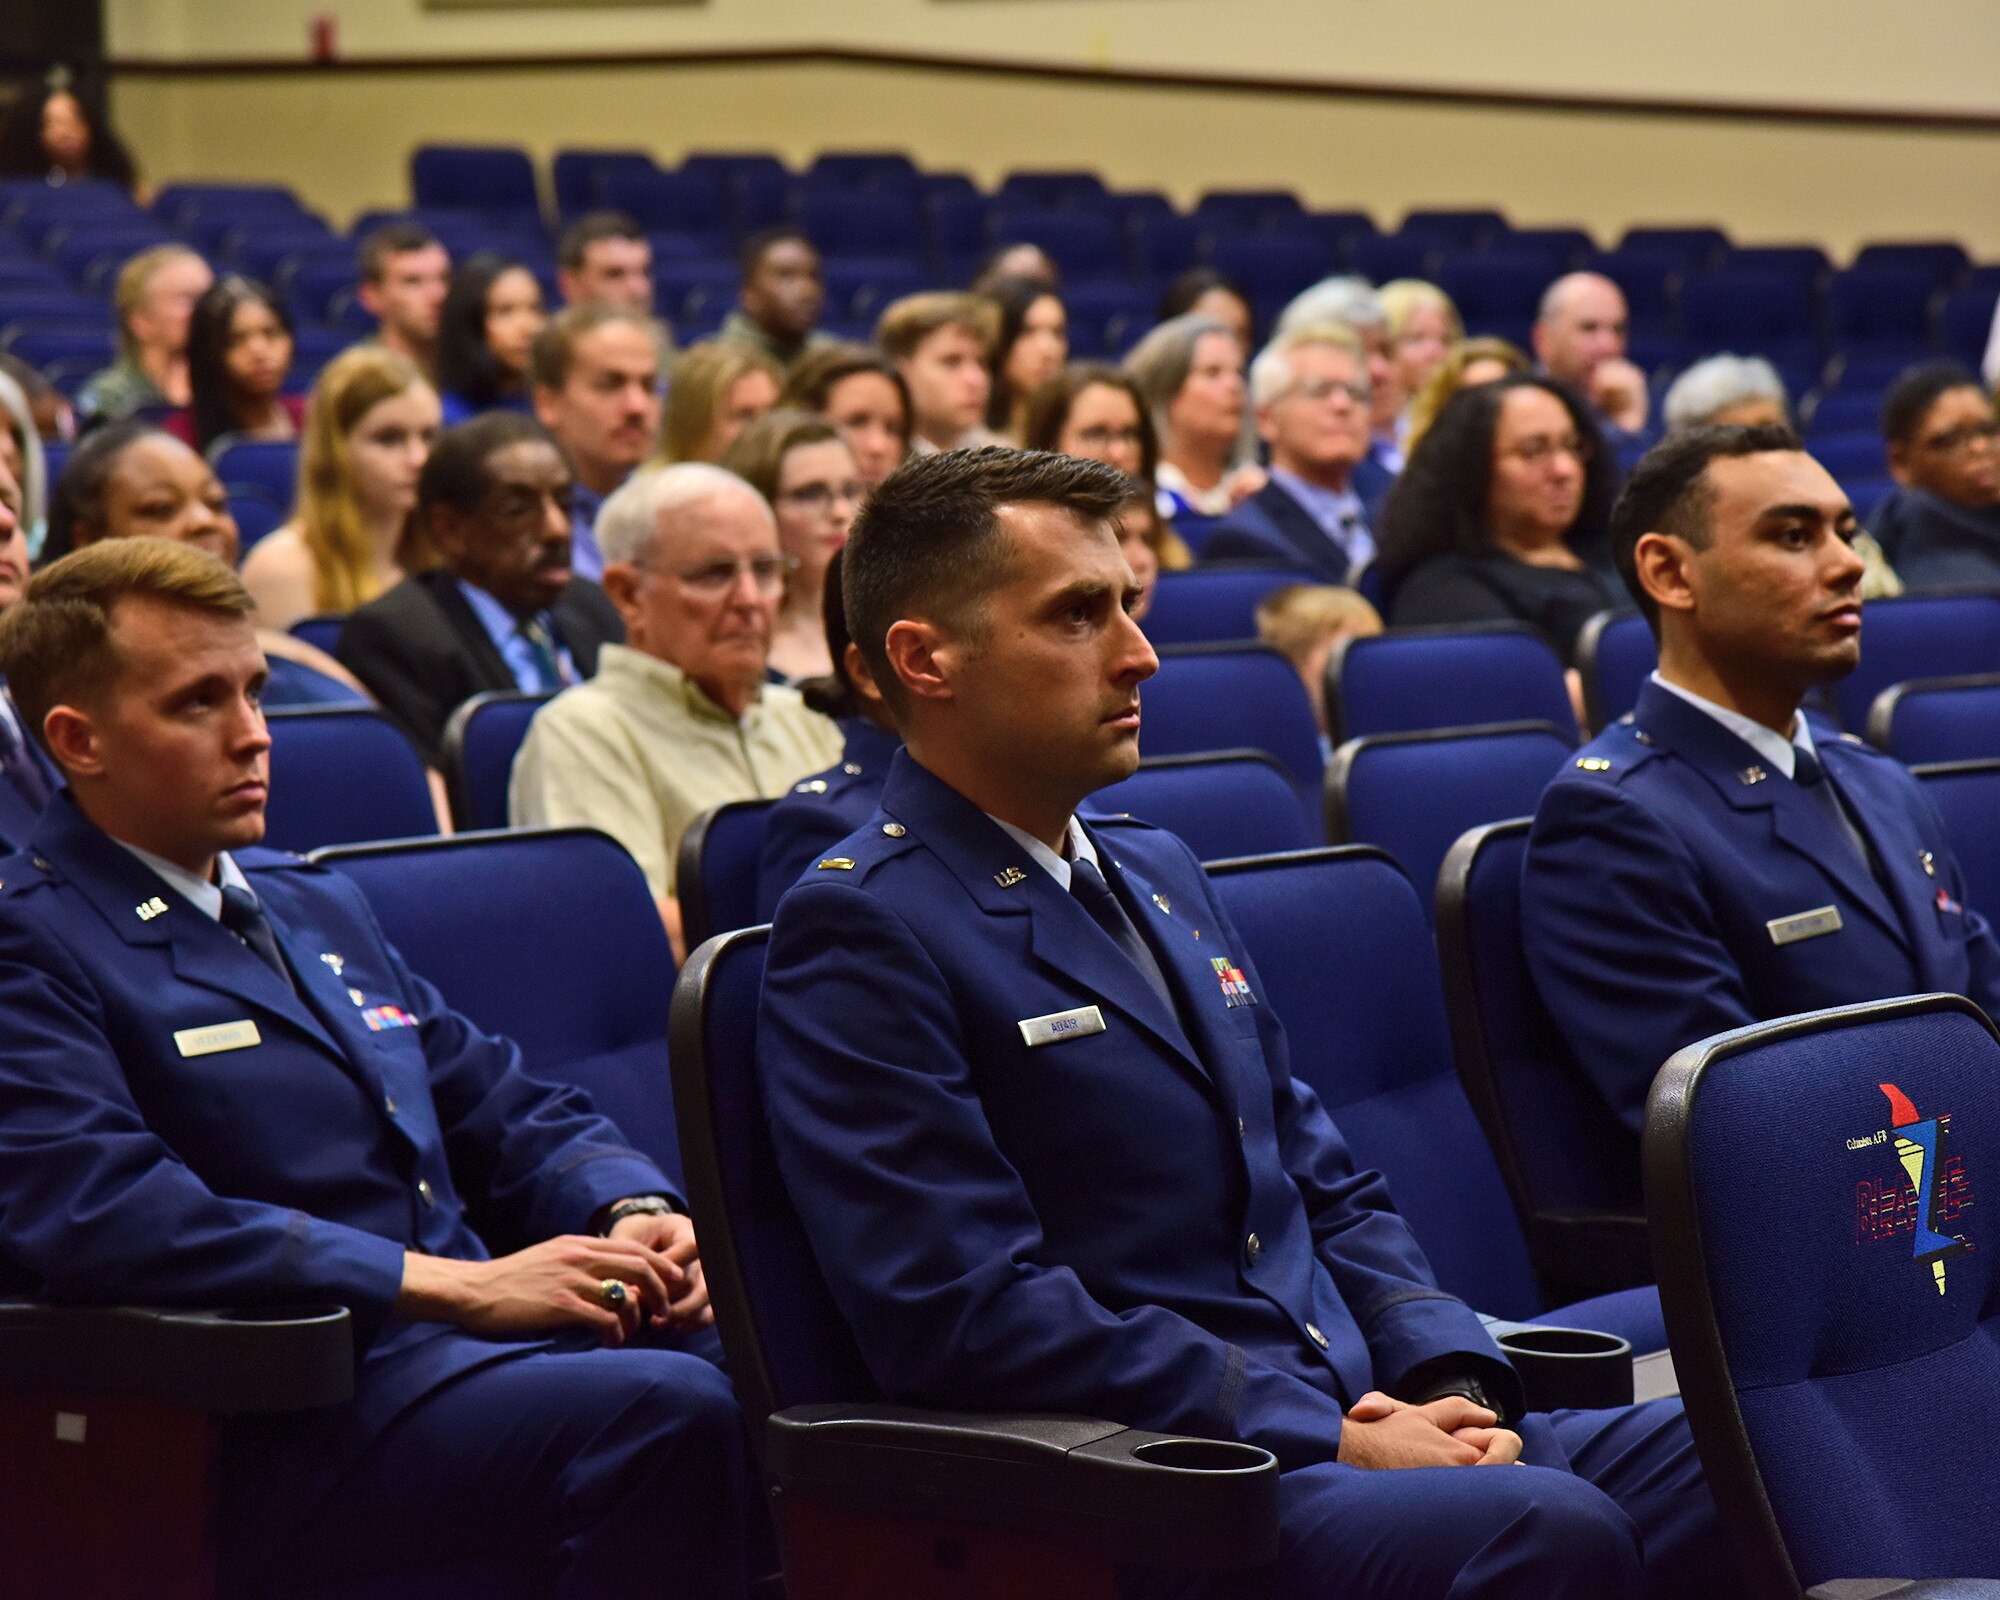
x,y
713,578
1326,388
1965,433
1534,452
819,497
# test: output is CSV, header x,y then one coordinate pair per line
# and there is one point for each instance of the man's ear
x,y
620,583
446,527
72,741
1661,563
370,297
1899,464
547,406
924,658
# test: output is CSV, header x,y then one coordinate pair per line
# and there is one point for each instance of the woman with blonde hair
x,y
368,433
1466,365
1422,325
714,391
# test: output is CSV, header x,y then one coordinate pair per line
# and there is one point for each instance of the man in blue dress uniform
x,y
219,1086
1039,1122
1716,859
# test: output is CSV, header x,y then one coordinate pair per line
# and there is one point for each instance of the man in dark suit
x,y
505,610
219,1086
27,779
1038,1119
1311,393
1716,859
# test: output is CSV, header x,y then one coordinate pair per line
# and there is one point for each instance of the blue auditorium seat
x,y
1943,261
1340,939
1563,249
271,466
322,632
42,345
1548,1129
1212,697
1085,245
1339,232
1498,292
1165,245
548,937
1053,191
863,224
78,250
29,275
688,290
579,176
31,307
1753,311
1965,321
261,252
1270,266
1213,604
1385,256
696,206
1852,411
494,182
1881,310
322,292
1649,280
1414,794
480,742
177,204
1455,232
1817,1189
1919,636
858,287
864,169
1226,211
1227,803
902,1490
1967,796
29,208
1107,319
256,516
1938,719
1807,264
1417,678
1689,249
1615,654
341,775
1867,494
715,869
1849,456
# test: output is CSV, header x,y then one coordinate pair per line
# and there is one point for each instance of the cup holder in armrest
x,y
1201,1455
1567,1368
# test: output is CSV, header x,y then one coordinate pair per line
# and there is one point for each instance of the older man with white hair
x,y
1351,302
1580,338
680,718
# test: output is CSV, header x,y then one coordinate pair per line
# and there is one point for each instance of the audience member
x,y
1500,516
987,1253
1032,345
1189,371
714,391
941,343
1207,293
502,611
369,430
1579,339
596,369
127,1181
1716,859
1352,303
1423,326
806,473
54,416
56,129
603,259
239,355
778,307
1097,414
1312,398
681,718
1304,622
1468,364
492,312
1941,524
822,810
857,389
133,479
21,454
1142,535
1018,260
405,276
27,777
155,298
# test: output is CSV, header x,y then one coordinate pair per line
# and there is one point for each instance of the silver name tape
x,y
1060,1025
1804,925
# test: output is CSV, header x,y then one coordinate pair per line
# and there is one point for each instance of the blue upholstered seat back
x,y
1212,605
480,743
717,872
1919,636
1232,804
1939,719
340,775
1205,699
1446,678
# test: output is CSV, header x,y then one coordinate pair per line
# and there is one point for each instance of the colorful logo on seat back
x,y
1931,1190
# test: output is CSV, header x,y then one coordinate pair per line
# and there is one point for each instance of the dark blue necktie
x,y
19,766
244,917
1094,894
1810,775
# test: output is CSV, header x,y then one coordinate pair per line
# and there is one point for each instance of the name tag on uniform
x,y
1804,925
222,1036
1060,1025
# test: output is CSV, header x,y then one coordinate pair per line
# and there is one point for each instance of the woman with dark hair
x,y
857,389
1031,349
239,353
492,312
57,130
1208,293
1098,414
1501,515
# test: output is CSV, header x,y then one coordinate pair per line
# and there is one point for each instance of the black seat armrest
x,y
1565,1369
270,1359
1145,1499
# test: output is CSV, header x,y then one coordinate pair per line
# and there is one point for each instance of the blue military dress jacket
x,y
1675,887
820,811
1031,1185
178,1127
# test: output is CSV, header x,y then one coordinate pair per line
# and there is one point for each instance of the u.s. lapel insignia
x,y
1750,775
1010,876
333,961
1160,900
146,910
1929,862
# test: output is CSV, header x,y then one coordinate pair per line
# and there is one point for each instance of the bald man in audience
x,y
1580,338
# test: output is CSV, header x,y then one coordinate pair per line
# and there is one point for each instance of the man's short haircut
x,y
594,228
1717,384
1345,298
391,239
750,255
135,279
1271,373
456,473
929,541
1914,392
629,519
1669,493
55,641
554,349
908,322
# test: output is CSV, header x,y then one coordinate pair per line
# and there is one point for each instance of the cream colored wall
x,y
344,139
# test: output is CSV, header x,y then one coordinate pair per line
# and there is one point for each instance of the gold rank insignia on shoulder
x,y
1160,900
852,769
810,786
1750,775
146,910
1010,877
895,830
836,864
333,961
1593,763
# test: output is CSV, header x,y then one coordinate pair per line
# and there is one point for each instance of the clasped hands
x,y
1383,1433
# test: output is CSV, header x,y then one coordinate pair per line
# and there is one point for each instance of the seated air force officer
x,y
27,779
1714,859
1311,393
1027,1097
505,610
220,1086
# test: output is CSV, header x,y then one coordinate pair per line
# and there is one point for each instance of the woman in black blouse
x,y
1500,515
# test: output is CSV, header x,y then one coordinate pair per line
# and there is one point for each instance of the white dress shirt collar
x,y
204,896
1773,746
1057,867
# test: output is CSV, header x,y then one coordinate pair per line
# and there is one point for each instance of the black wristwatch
x,y
644,1205
1467,1386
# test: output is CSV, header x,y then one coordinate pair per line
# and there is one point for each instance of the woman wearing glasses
x,y
1941,525
1500,516
807,473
